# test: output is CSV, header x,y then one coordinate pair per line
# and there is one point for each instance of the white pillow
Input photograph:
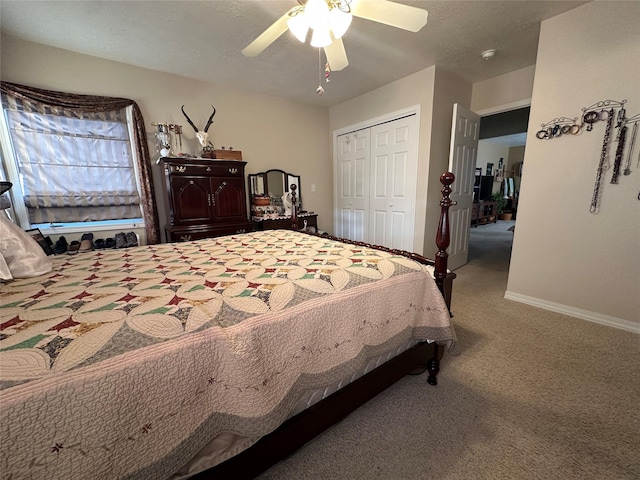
x,y
5,273
21,253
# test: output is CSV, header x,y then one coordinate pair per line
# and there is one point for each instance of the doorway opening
x,y
499,170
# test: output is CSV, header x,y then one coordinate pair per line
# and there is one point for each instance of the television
x,y
486,187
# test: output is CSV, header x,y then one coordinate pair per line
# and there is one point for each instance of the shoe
x,y
61,246
86,243
121,240
132,239
99,244
109,243
74,246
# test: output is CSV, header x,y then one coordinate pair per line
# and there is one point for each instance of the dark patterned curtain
x,y
95,104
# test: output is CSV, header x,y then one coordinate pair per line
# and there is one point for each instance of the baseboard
x,y
575,312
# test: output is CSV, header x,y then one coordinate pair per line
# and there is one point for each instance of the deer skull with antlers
x,y
201,135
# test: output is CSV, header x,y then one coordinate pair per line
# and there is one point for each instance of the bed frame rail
x,y
309,423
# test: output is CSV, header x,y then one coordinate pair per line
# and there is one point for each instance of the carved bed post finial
x,y
294,207
442,237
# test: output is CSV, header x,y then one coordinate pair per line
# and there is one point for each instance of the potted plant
x,y
501,203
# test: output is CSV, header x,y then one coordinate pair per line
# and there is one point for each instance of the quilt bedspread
x,y
124,363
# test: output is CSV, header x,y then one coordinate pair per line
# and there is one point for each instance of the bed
x,y
218,356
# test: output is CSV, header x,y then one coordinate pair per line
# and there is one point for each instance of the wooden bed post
x,y
294,207
442,237
444,280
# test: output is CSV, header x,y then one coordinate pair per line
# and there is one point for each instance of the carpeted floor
x,y
528,394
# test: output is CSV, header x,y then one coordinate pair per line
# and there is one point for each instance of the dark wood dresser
x,y
204,198
311,220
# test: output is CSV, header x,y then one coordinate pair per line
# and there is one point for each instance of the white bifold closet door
x,y
376,183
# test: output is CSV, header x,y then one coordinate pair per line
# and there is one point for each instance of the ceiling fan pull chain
x,y
320,89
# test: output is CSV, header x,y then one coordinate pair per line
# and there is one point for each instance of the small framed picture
x,y
36,234
489,169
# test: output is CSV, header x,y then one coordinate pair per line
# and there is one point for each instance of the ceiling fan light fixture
x,y
323,18
316,13
339,22
320,38
299,26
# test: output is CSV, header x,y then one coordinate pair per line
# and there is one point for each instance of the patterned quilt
x,y
124,363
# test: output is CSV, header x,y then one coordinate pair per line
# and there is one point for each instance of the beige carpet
x,y
530,395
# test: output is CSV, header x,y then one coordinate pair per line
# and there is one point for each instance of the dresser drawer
x,y
207,169
188,235
285,222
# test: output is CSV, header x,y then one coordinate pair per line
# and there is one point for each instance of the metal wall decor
x,y
603,111
559,126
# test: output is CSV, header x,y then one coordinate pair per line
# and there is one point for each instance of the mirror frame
x,y
254,179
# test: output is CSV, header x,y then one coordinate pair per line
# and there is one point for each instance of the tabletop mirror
x,y
267,190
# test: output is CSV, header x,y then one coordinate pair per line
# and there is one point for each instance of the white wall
x,y
565,258
490,152
434,91
271,132
504,92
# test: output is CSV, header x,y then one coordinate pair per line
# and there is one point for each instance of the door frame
x,y
387,117
506,107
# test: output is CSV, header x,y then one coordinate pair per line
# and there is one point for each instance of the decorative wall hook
x,y
607,111
558,126
595,112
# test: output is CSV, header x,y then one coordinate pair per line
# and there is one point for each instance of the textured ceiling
x,y
203,40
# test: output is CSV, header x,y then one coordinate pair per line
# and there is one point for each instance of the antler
x,y
189,120
210,121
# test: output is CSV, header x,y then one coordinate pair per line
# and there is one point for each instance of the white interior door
x,y
462,162
393,173
351,220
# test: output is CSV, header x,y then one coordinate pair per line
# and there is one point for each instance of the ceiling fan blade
x,y
390,13
267,37
336,55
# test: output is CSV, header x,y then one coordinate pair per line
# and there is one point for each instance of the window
x,y
71,165
102,159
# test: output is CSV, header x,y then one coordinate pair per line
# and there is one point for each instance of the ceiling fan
x,y
328,20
